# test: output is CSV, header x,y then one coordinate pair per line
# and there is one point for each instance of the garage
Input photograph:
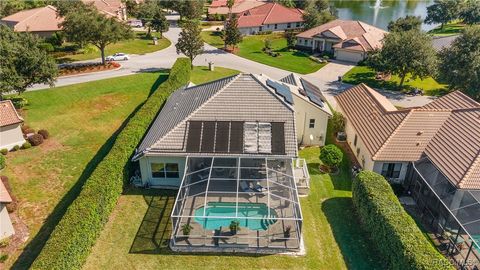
x,y
348,56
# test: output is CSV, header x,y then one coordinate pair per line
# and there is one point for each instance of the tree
x,y
460,64
317,13
160,22
146,12
338,122
230,4
470,12
286,3
232,35
291,38
405,24
442,11
190,42
89,26
406,52
191,9
331,155
24,63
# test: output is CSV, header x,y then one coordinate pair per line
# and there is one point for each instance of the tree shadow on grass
x,y
356,248
34,247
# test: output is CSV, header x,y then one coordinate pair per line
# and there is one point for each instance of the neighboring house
x,y
231,146
269,17
6,227
111,8
433,150
219,7
10,122
42,21
346,40
443,42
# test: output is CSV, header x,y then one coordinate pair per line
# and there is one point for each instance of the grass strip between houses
x,y
395,234
71,241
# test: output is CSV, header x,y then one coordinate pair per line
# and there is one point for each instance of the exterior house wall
x,y
146,172
6,227
10,136
304,111
270,27
349,55
378,165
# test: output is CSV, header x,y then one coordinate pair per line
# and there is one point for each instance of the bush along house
x,y
433,151
230,148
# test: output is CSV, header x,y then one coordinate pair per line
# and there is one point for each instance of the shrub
x,y
338,122
2,162
16,148
11,207
44,133
3,257
396,235
36,139
46,46
75,234
4,151
331,155
26,145
267,44
18,102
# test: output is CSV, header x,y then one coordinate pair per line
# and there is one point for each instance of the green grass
x,y
251,48
82,120
137,234
139,45
448,29
201,74
363,74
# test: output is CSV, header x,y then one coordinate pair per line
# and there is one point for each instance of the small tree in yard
x,y
23,62
331,155
442,11
403,53
89,26
291,38
470,12
160,23
190,42
147,12
338,122
232,35
405,24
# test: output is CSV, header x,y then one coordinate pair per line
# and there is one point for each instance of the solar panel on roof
x,y
194,135
208,136
281,90
312,93
278,138
221,137
236,137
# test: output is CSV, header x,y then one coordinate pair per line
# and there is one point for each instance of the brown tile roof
x,y
111,8
371,114
41,19
354,35
270,13
4,195
8,114
446,130
239,7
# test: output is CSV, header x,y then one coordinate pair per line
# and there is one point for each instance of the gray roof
x,y
241,97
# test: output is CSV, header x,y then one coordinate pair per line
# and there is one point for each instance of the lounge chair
x,y
245,188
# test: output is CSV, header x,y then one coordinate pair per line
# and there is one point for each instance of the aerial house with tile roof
x,y
231,149
10,126
433,150
348,40
42,21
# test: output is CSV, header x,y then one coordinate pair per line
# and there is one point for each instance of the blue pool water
x,y
477,239
227,209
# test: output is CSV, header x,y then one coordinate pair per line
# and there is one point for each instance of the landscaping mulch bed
x,y
75,69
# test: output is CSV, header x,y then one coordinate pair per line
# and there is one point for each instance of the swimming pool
x,y
227,209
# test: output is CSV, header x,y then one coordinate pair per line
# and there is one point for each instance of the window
x,y
276,26
260,29
312,123
358,151
391,170
355,140
289,25
164,170
298,24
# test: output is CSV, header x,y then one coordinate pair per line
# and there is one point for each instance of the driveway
x,y
326,78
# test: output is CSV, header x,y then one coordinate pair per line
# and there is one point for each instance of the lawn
x,y
139,45
366,75
251,48
448,29
136,236
203,74
82,120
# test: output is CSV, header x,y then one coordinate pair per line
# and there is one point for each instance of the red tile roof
x,y
43,19
8,114
270,13
220,7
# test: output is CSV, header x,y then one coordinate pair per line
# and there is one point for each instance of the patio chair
x,y
245,188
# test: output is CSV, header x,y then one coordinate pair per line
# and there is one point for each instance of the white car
x,y
117,57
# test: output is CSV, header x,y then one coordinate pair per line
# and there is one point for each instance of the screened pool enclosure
x,y
220,194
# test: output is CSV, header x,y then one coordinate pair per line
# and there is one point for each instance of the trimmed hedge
x,y
395,234
72,239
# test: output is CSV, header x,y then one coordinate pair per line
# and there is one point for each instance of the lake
x,y
380,13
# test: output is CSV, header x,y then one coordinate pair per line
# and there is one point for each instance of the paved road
x,y
326,78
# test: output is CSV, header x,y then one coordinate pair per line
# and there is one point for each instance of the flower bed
x,y
74,69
